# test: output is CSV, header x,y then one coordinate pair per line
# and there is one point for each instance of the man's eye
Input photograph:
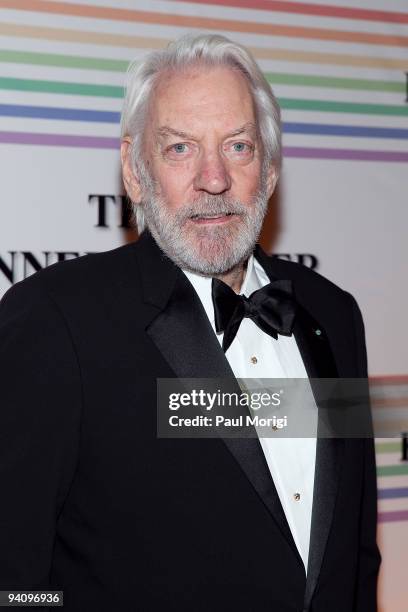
x,y
244,148
180,147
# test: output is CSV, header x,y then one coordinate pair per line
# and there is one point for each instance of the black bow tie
x,y
271,308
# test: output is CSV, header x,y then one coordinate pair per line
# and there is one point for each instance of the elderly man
x,y
94,502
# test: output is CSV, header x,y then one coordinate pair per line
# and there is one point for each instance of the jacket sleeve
x,y
40,406
369,555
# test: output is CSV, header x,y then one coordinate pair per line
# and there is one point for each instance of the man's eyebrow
x,y
247,127
166,131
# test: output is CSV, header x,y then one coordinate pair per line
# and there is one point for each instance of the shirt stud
x,y
296,496
254,359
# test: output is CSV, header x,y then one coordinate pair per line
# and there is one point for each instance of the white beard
x,y
208,249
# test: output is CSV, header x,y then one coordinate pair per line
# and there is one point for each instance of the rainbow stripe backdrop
x,y
389,401
338,71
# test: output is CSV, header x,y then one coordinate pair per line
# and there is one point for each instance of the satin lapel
x,y
177,323
329,453
313,345
183,334
250,456
319,362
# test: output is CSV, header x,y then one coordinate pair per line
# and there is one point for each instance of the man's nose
x,y
212,175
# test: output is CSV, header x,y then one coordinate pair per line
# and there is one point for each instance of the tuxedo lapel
x,y
319,362
181,331
313,344
178,325
183,334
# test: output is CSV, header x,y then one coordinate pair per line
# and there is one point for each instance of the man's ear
x,y
131,181
271,180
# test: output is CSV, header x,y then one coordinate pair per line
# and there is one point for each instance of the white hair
x,y
206,50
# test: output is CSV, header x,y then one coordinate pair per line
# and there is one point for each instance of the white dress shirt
x,y
255,354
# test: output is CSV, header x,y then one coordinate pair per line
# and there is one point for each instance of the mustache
x,y
210,205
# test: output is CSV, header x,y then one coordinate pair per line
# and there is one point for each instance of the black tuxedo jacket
x,y
95,504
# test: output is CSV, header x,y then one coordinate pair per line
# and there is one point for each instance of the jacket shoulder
x,y
91,276
307,282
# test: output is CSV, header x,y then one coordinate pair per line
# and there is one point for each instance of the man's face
x,y
206,198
